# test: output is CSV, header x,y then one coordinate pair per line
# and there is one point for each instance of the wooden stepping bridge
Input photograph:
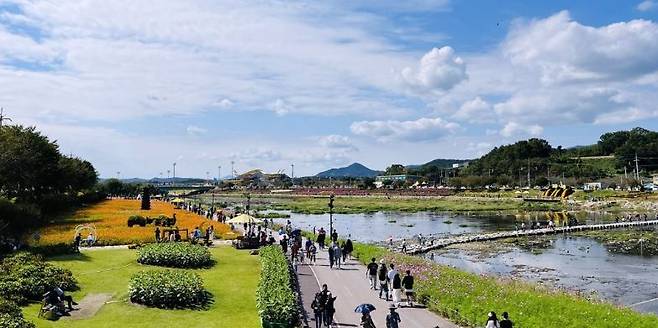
x,y
463,239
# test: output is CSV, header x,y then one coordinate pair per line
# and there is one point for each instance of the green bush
x,y
25,276
53,250
178,255
275,297
11,315
136,220
168,289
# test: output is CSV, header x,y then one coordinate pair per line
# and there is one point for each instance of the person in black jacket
x,y
383,279
318,310
408,285
506,322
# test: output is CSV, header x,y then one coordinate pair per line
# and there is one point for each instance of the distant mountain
x,y
355,170
442,163
158,180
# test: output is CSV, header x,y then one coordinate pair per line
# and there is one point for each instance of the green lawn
x,y
232,281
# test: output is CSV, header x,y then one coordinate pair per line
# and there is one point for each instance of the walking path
x,y
441,243
350,286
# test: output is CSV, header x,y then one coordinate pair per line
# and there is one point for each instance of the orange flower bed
x,y
110,219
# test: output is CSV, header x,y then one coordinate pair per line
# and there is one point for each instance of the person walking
x,y
334,236
371,273
390,275
408,285
331,257
338,254
383,280
312,251
492,321
329,311
318,310
157,234
397,289
349,248
506,322
393,318
366,321
322,235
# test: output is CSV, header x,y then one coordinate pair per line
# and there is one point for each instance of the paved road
x,y
351,288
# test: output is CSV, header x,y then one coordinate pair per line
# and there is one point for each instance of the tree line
x,y
37,180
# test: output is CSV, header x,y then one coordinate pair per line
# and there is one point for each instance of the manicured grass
x,y
110,218
466,298
232,282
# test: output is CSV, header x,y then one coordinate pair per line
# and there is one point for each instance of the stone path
x,y
88,306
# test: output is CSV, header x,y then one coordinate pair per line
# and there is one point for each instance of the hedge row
x,y
168,289
141,221
178,255
275,297
11,315
26,277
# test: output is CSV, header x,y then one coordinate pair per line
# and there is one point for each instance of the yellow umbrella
x,y
244,218
178,200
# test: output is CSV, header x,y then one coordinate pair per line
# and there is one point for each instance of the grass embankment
x,y
466,298
232,281
110,219
353,205
630,242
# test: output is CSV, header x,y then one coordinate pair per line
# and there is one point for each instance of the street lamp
x,y
173,181
219,174
331,214
248,196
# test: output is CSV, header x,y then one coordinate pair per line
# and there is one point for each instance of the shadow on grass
x,y
69,257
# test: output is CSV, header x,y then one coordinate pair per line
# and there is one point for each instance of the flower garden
x,y
110,217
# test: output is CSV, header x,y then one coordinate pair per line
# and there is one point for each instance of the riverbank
x,y
465,297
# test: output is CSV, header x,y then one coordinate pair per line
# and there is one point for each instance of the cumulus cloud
x,y
476,110
224,103
565,50
422,129
439,70
646,5
336,141
194,130
513,129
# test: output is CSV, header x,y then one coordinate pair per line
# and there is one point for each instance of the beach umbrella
x,y
364,308
244,218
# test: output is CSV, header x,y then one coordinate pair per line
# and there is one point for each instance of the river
x,y
573,263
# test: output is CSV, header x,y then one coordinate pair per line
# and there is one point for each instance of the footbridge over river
x,y
469,238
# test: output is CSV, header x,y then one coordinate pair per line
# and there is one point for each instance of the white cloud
x,y
565,50
422,129
476,110
336,141
513,129
646,5
439,70
194,130
224,103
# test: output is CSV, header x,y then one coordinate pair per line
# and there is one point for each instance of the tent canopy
x,y
244,218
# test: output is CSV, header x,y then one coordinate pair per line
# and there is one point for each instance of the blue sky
x,y
134,86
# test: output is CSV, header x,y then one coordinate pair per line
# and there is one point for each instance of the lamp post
x,y
248,196
331,214
219,174
173,180
232,169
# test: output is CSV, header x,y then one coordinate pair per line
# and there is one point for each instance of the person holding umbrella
x,y
366,319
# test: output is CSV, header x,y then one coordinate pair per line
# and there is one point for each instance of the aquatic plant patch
x,y
178,255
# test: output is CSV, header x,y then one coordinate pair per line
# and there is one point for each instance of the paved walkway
x,y
351,287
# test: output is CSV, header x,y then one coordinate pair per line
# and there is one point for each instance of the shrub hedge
x,y
168,289
275,297
178,255
25,276
11,315
161,220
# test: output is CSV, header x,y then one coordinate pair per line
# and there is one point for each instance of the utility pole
x,y
3,117
528,172
219,174
292,171
118,175
232,170
173,181
637,168
331,214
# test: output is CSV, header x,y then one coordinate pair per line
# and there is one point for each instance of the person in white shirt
x,y
390,275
